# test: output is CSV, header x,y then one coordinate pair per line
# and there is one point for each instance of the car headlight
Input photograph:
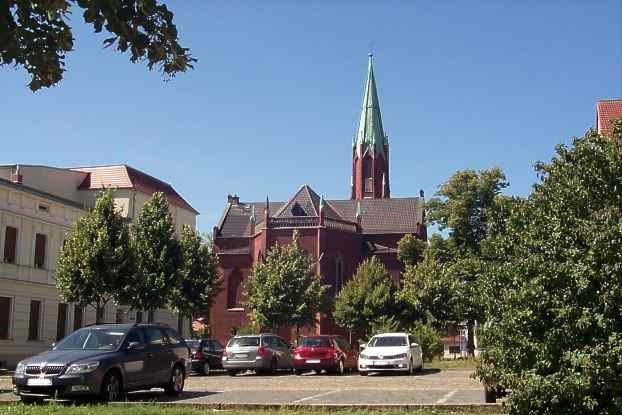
x,y
401,356
80,368
363,356
20,369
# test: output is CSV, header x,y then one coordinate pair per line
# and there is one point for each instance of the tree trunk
x,y
471,338
190,328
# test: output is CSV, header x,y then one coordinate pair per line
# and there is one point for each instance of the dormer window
x,y
44,208
297,210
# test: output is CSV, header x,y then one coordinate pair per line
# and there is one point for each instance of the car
x,y
330,353
264,353
105,360
397,352
206,355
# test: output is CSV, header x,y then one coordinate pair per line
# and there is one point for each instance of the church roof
x,y
378,216
607,111
370,134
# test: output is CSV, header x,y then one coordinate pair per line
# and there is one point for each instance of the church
x,y
338,234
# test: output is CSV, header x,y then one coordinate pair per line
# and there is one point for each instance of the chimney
x,y
16,177
421,193
233,199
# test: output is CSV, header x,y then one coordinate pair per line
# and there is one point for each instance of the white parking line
x,y
315,396
445,398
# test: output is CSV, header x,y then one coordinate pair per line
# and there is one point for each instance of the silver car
x,y
263,353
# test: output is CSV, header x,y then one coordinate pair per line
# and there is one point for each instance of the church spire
x,y
370,153
370,134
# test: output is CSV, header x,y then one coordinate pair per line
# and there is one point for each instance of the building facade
x,y
338,234
607,111
39,206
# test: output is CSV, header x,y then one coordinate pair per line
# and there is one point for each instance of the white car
x,y
391,352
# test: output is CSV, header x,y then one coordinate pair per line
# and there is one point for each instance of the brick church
x,y
339,234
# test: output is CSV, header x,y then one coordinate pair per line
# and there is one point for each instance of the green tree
x,y
284,290
96,263
410,249
366,299
429,339
199,281
554,332
158,256
468,206
36,35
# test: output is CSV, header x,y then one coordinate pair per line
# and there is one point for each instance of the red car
x,y
330,353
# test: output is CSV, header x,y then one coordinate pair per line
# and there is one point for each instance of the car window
x,y
244,342
282,343
388,341
173,337
315,342
217,346
193,344
134,337
93,339
153,336
343,344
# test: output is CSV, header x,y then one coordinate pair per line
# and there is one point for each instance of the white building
x,y
39,206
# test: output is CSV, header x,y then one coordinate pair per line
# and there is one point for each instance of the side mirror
x,y
135,346
362,346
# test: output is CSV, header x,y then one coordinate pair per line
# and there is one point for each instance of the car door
x,y
284,354
134,360
157,363
215,353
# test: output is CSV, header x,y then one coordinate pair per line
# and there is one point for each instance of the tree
x,y
554,332
284,290
469,206
429,339
36,35
96,263
410,249
367,298
199,281
427,293
157,256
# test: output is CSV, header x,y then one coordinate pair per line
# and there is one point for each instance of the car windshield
x,y
388,341
93,339
244,342
315,342
193,344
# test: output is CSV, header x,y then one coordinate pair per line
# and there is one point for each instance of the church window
x,y
234,287
338,274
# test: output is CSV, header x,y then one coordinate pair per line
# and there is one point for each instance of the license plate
x,y
380,363
313,361
241,356
39,382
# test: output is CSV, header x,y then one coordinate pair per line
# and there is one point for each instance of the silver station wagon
x,y
263,353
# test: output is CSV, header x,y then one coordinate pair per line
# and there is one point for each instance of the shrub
x,y
429,339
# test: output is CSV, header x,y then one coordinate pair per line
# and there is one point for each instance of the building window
x,y
40,242
78,317
10,244
233,289
44,208
5,317
61,323
35,320
338,274
150,316
139,317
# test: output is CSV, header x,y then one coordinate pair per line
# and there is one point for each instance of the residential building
x,y
338,234
607,110
39,206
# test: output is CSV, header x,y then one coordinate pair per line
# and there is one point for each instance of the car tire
x,y
29,400
362,373
206,369
297,372
339,369
232,372
175,386
112,388
419,369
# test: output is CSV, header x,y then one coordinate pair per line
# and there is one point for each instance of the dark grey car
x,y
106,360
263,353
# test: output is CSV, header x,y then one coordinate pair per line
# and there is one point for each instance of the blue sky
x,y
274,100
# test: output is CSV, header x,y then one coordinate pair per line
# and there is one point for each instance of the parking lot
x,y
429,387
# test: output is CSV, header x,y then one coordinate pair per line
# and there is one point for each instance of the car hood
x,y
66,357
385,351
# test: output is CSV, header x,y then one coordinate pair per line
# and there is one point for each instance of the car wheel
x,y
232,372
297,372
419,369
175,386
112,388
339,369
362,373
206,369
29,400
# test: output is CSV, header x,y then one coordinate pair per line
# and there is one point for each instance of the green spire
x,y
370,134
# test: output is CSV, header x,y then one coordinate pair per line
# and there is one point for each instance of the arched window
x,y
367,168
338,274
234,286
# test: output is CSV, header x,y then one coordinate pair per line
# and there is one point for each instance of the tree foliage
x,y
430,340
36,35
410,249
96,263
284,290
157,256
366,299
199,281
554,332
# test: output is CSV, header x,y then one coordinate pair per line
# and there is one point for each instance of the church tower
x,y
370,153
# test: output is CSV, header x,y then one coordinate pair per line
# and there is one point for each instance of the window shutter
x,y
10,244
5,317
35,316
40,240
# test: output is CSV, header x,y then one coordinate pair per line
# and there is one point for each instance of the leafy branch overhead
x,y
37,36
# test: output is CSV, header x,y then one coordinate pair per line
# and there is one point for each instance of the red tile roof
x,y
607,111
126,177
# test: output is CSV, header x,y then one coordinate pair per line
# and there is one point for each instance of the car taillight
x,y
198,355
262,351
